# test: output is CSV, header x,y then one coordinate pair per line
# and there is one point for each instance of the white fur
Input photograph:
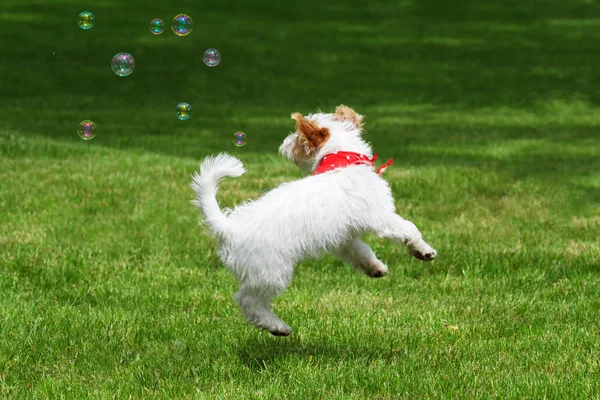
x,y
261,241
212,170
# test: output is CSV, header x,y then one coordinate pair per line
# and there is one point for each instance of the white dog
x,y
261,241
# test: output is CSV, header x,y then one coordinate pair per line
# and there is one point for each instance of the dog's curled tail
x,y
205,184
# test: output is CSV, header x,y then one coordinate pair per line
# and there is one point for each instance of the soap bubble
x,y
211,57
184,111
87,130
182,25
123,64
157,26
239,138
86,20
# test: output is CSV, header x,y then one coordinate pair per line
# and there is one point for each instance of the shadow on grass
x,y
556,156
429,51
261,354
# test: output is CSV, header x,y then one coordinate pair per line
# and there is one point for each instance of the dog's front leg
x,y
405,232
358,254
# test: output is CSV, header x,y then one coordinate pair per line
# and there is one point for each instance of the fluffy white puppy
x,y
261,241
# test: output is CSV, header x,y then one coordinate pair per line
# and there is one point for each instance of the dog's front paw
x,y
377,269
423,251
424,256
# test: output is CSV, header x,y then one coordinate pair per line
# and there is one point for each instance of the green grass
x,y
490,110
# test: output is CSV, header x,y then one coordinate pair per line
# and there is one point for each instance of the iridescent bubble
x,y
182,25
184,111
86,20
123,64
87,130
239,138
157,26
211,57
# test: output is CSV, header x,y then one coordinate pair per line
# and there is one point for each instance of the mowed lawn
x,y
490,111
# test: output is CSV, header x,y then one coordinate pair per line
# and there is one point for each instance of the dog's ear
x,y
345,113
315,136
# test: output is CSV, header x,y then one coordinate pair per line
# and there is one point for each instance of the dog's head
x,y
319,134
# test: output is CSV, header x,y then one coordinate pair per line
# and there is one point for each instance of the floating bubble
x,y
239,138
184,111
123,64
157,26
182,25
211,57
87,130
86,20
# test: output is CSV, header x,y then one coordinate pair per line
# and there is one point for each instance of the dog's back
x,y
303,218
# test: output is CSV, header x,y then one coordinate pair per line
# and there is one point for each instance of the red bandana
x,y
341,159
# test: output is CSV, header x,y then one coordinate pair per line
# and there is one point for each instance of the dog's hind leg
x,y
405,232
358,254
255,303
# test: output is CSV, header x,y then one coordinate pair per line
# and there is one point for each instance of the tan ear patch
x,y
314,136
345,113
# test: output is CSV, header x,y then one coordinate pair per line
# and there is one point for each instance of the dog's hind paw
x,y
281,331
